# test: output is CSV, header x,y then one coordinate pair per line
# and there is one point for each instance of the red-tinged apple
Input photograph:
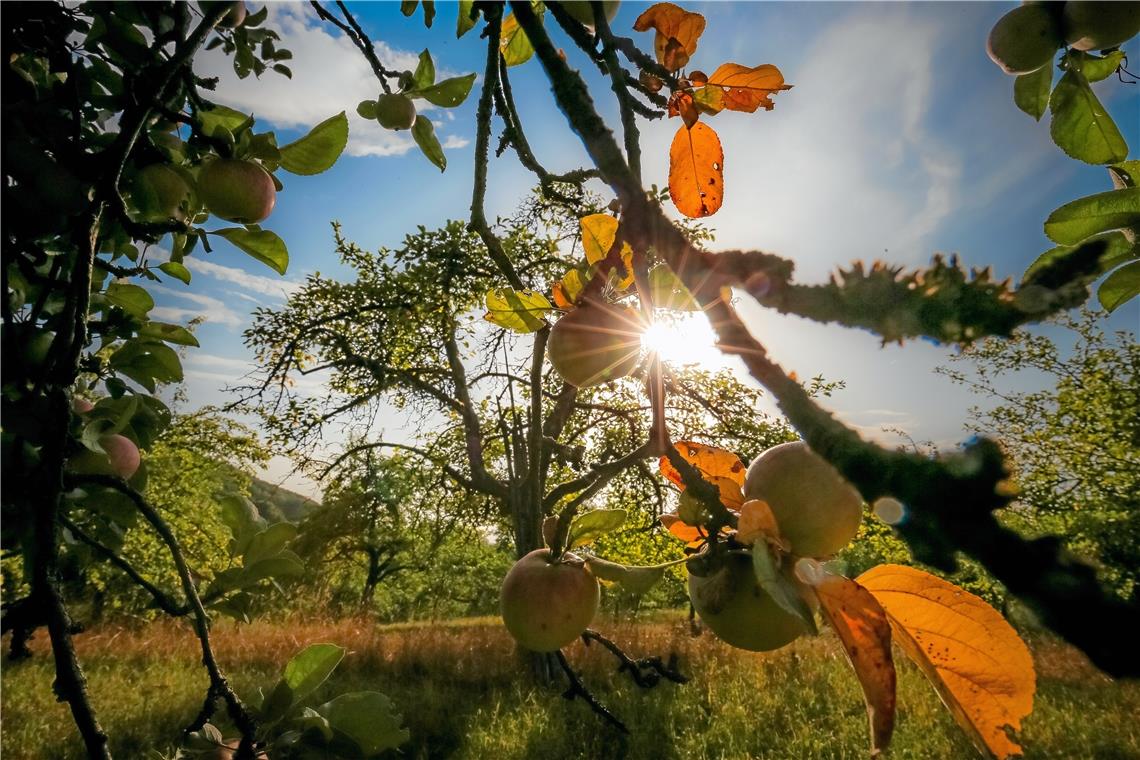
x,y
122,458
236,190
546,605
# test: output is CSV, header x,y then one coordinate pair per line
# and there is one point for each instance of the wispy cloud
x,y
329,75
269,286
211,309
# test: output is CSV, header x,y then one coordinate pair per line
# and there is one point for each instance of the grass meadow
x,y
463,693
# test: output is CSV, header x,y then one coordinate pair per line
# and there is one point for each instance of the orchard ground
x,y
457,684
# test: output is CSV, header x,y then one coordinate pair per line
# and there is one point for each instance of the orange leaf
x,y
567,290
672,23
862,626
682,530
681,104
711,461
740,88
977,663
757,523
696,171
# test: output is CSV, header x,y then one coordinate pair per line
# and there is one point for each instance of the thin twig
x,y
646,672
578,689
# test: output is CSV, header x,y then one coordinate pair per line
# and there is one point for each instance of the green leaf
x,y
1125,174
429,12
636,580
465,22
408,7
1031,91
220,120
1081,127
1095,68
447,94
240,516
368,719
513,42
284,565
318,150
521,311
1120,287
176,334
269,542
1118,249
366,109
146,362
277,703
424,134
424,75
310,668
593,524
176,270
311,720
262,245
778,586
1084,217
132,299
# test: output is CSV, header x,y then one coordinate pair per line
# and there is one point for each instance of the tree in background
x,y
1074,445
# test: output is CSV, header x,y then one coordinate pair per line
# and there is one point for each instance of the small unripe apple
x,y
1025,39
732,604
816,510
234,17
583,12
236,190
158,192
1098,25
595,343
122,458
546,605
395,111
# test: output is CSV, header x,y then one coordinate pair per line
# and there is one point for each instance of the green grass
x,y
463,692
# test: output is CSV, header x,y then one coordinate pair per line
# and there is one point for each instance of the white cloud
x,y
269,286
207,307
329,75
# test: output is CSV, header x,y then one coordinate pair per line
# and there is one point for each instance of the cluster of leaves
x,y
1082,128
359,724
953,636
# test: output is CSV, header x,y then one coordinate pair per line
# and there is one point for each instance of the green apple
x,y
236,190
816,510
1099,25
395,111
158,192
546,605
595,343
732,604
583,12
1025,39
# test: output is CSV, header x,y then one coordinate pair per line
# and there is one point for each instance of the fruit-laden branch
x,y
950,501
218,682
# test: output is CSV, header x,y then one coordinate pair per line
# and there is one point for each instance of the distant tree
x,y
1074,444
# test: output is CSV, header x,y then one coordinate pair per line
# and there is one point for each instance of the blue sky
x,y
899,139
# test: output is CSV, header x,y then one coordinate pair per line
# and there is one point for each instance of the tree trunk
x,y
373,577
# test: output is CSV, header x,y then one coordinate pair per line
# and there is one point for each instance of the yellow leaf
x,y
599,231
521,311
977,663
862,626
675,25
740,88
567,290
696,171
513,42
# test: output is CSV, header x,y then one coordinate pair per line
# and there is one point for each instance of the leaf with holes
x,y
740,88
859,620
696,171
980,668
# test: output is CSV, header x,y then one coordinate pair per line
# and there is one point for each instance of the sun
x,y
681,340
